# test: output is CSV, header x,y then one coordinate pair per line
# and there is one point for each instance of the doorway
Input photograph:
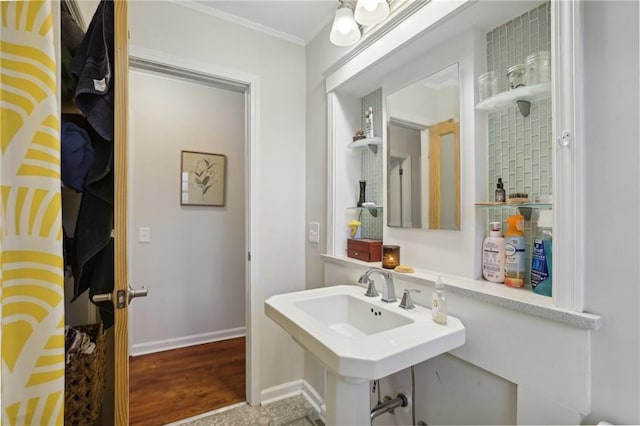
x,y
193,259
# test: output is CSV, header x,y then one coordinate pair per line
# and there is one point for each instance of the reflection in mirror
x,y
423,153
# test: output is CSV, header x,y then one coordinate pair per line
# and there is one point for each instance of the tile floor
x,y
294,411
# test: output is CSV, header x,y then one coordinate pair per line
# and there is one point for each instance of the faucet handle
x,y
406,302
371,289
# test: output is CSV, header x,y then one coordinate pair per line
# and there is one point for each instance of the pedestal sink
x,y
358,339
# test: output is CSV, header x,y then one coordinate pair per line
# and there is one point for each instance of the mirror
x,y
423,153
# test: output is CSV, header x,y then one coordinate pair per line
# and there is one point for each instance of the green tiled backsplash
x,y
519,148
371,167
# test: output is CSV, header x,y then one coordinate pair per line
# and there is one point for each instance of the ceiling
x,y
297,20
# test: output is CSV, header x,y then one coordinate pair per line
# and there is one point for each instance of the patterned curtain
x,y
31,265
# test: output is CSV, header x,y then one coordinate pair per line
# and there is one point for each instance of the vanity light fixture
x,y
371,12
345,30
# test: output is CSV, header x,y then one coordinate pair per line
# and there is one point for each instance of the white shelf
x,y
365,208
371,143
372,210
513,205
508,98
518,299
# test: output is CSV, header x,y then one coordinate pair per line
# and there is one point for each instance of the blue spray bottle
x,y
542,255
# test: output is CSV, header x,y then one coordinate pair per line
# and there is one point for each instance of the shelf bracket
x,y
524,107
526,212
373,148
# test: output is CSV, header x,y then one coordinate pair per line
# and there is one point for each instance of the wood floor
x,y
168,386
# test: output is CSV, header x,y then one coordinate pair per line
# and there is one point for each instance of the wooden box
x,y
367,250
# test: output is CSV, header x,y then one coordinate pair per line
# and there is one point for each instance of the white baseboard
x,y
184,341
294,388
279,392
207,414
315,399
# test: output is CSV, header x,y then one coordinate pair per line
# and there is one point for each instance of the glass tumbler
x,y
515,74
538,69
487,85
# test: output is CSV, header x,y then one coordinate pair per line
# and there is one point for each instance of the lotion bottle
x,y
493,255
514,249
439,303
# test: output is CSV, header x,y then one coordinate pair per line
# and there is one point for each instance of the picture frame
x,y
202,179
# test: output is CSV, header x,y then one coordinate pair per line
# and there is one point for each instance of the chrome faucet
x,y
388,290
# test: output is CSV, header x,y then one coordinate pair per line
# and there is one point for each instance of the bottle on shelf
x,y
439,303
501,194
541,255
368,123
361,199
493,255
514,248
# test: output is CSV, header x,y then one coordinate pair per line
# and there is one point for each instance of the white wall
x,y
279,67
406,144
612,204
194,264
415,103
612,153
440,384
319,54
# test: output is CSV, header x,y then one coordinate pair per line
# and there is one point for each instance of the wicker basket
x,y
85,380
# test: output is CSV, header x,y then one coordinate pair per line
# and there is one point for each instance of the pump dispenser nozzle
x,y
495,229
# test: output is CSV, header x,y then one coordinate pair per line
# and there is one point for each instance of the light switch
x,y
314,232
144,234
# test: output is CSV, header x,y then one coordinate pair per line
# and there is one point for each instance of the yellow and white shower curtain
x,y
31,265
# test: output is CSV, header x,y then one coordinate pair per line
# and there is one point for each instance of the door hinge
x,y
249,256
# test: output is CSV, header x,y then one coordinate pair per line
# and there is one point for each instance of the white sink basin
x,y
349,315
360,337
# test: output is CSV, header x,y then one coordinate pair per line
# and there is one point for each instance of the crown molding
x,y
190,4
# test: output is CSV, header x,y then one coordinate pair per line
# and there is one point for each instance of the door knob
x,y
97,298
564,139
130,294
143,292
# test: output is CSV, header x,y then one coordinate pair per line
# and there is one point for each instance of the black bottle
x,y
361,200
501,195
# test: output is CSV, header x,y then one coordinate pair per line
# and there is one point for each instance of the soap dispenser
x,y
493,255
439,303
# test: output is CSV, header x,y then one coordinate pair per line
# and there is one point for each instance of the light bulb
x,y
371,12
370,5
344,31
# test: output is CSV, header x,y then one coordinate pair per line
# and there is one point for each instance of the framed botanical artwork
x,y
202,179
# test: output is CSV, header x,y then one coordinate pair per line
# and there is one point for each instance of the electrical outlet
x,y
144,234
314,232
